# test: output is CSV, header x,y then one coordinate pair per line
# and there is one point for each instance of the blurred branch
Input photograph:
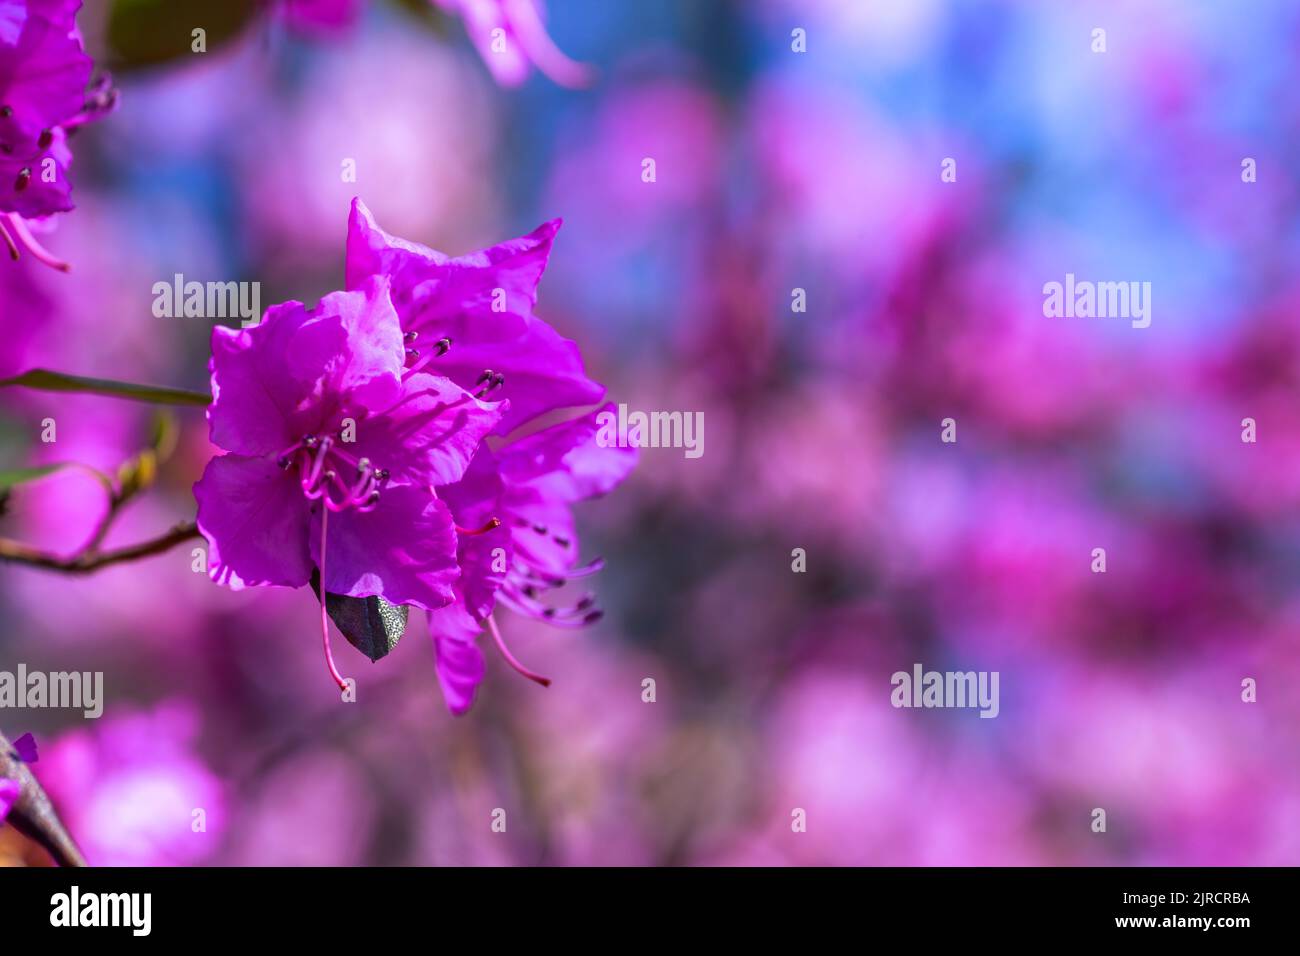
x,y
45,380
134,476
91,558
33,815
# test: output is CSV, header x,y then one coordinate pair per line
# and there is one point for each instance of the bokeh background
x,y
776,170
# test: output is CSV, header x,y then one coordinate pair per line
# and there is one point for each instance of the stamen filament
x,y
39,252
510,658
469,533
324,617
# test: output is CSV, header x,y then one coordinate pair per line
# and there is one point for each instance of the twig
x,y
33,815
91,558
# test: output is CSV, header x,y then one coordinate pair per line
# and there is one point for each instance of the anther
x,y
443,346
46,138
24,177
470,532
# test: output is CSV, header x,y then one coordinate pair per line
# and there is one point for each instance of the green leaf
x,y
149,32
47,381
17,476
372,625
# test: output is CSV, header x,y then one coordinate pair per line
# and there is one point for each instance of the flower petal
x,y
543,371
403,550
457,658
484,558
493,290
254,517
300,371
10,791
429,436
567,462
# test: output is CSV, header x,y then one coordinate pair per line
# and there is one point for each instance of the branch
x,y
33,815
91,558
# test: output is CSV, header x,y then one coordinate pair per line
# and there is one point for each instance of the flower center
x,y
329,473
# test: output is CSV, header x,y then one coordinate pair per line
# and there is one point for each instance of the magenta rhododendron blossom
x,y
44,72
510,35
321,420
530,487
471,317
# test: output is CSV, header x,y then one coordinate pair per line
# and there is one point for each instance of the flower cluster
x,y
44,97
356,445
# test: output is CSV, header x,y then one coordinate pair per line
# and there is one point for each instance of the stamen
x,y
322,449
440,347
9,241
492,523
324,618
28,241
493,380
46,138
510,658
24,179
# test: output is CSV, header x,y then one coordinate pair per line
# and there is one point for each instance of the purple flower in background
x,y
321,16
528,487
510,35
44,72
129,787
9,794
320,417
471,317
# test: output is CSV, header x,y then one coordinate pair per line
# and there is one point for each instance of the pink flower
x,y
128,788
320,418
528,487
320,16
510,36
471,317
9,794
44,71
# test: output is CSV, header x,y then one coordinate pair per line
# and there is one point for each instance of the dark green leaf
x,y
372,625
149,32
